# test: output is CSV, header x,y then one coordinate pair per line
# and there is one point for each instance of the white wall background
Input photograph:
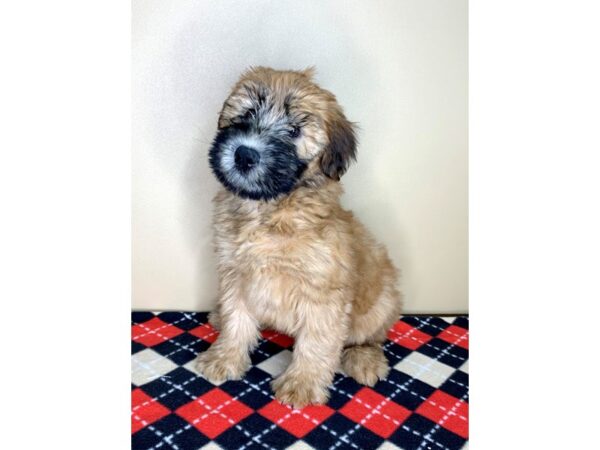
x,y
399,69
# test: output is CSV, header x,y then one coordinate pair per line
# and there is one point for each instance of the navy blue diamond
x,y
141,316
144,439
410,434
254,389
445,352
429,325
457,385
183,320
328,433
181,385
417,429
189,437
410,395
136,347
462,321
342,391
395,353
365,439
180,349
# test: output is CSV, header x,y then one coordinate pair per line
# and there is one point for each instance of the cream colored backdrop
x,y
399,68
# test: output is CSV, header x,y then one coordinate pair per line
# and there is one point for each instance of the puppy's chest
x,y
262,251
276,271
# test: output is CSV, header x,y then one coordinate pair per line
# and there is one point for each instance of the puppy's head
x,y
278,130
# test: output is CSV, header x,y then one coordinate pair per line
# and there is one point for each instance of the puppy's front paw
x,y
217,368
299,390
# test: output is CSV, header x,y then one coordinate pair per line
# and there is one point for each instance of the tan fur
x,y
300,264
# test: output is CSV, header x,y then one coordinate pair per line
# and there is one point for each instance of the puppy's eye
x,y
249,114
294,132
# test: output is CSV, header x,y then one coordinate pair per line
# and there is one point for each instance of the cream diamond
x,y
300,445
148,365
276,364
425,369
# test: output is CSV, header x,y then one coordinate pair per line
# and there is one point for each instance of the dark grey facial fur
x,y
271,134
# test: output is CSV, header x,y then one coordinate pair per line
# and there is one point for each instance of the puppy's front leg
x,y
316,355
228,357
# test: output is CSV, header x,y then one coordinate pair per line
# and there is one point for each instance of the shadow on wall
x,y
387,221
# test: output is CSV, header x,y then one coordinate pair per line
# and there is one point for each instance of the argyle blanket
x,y
423,403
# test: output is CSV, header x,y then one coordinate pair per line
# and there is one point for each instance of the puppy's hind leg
x,y
363,358
366,363
214,318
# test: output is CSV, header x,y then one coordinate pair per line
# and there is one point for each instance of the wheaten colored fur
x,y
300,264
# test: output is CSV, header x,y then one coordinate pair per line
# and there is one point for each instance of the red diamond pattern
x,y
375,412
280,339
145,410
448,411
154,332
214,412
456,335
205,332
298,422
408,336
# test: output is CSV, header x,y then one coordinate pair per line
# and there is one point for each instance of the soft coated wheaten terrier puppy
x,y
289,256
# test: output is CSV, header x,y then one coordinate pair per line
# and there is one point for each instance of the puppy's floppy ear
x,y
341,150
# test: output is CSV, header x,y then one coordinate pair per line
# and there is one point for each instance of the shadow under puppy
x,y
289,257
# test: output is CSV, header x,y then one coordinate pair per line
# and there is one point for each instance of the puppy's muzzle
x,y
246,158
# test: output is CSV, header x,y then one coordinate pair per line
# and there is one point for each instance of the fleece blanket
x,y
422,404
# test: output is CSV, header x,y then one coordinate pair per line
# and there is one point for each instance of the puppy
x,y
289,257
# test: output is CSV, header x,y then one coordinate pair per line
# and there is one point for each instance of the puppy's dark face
x,y
278,130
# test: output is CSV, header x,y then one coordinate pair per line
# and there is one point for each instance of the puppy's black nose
x,y
245,158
